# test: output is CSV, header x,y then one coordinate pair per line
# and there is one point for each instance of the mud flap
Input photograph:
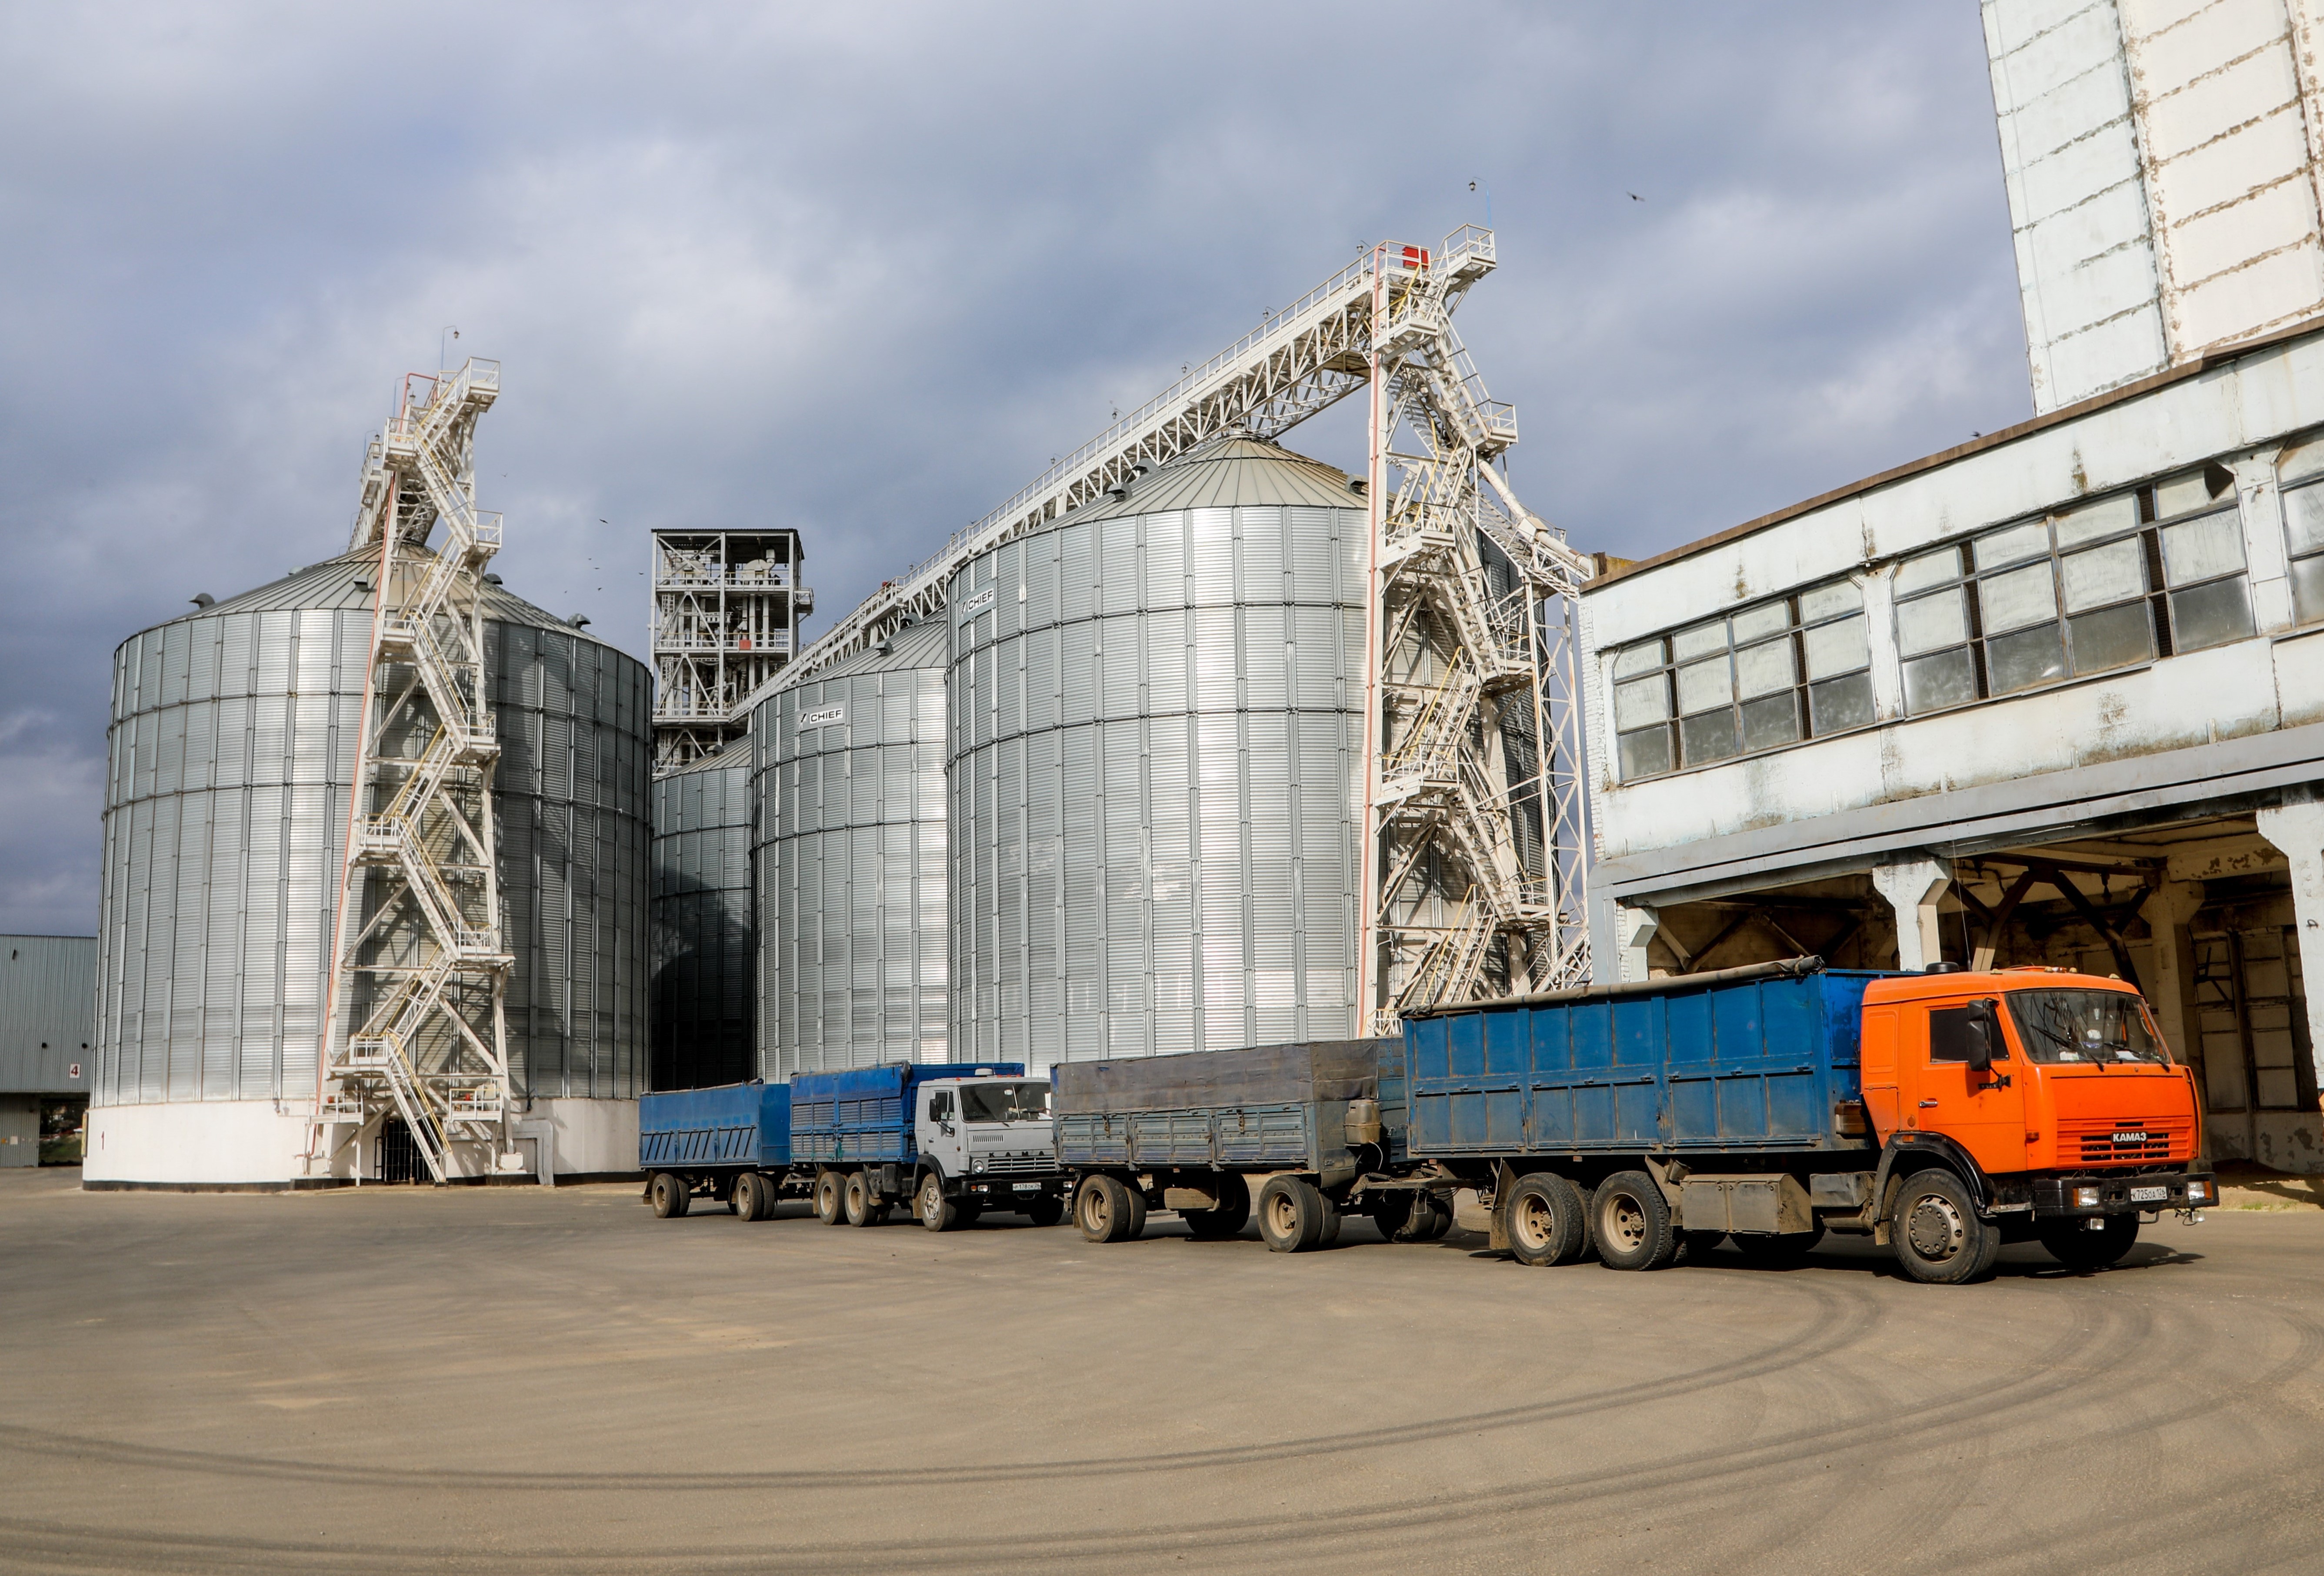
x,y
1504,1179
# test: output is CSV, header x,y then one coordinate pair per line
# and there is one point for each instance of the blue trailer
x,y
856,1142
1644,1118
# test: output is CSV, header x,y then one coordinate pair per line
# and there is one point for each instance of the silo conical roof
x,y
1231,472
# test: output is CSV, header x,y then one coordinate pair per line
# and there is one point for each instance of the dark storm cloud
x,y
863,270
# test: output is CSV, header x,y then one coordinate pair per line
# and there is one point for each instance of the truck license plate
x,y
2147,1195
1025,1187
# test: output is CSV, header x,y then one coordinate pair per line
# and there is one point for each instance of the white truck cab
x,y
986,1143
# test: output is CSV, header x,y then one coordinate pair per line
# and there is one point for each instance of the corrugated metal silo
x,y
1155,759
230,757
850,861
703,940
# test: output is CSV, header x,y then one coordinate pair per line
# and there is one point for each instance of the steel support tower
x,y
726,610
419,970
1473,833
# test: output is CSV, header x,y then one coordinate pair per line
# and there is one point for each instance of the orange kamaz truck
x,y
1944,1114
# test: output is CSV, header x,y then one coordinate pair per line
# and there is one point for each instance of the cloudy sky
x,y
862,269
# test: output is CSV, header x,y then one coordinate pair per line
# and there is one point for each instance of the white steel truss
x,y
417,1023
727,610
1474,832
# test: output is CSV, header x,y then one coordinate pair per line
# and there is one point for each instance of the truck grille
x,y
2126,1141
1017,1164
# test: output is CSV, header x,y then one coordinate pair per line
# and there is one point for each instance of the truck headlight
x,y
2198,1191
2086,1198
977,1164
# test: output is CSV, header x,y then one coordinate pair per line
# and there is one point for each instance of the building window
x,y
1769,675
2110,584
2303,524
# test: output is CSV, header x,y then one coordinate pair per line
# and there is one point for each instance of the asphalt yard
x,y
527,1380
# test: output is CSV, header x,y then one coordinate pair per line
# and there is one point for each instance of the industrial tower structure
x,y
726,609
1473,833
415,1018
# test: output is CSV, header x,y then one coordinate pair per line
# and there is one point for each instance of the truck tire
x,y
1543,1218
1631,1223
830,1197
1291,1214
936,1212
670,1195
1232,1214
865,1205
2070,1242
1106,1211
1786,1248
1046,1210
750,1197
1936,1233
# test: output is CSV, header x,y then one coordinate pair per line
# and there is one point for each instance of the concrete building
x,y
2054,696
2164,180
48,1022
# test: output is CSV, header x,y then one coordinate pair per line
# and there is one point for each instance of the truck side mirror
x,y
1981,1027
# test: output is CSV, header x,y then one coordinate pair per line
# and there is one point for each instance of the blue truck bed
x,y
1706,1065
863,1116
734,1124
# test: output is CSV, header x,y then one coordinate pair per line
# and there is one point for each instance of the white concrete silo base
x,y
237,1144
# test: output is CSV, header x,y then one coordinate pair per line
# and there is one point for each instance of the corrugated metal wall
x,y
1156,736
703,940
230,754
849,783
48,1013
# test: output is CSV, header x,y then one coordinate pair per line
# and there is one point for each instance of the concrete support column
x,y
1912,888
1634,929
1880,638
2297,832
2172,992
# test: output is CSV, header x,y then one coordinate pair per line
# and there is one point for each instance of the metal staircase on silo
x,y
416,1028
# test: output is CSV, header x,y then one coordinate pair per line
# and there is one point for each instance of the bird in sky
x,y
1635,198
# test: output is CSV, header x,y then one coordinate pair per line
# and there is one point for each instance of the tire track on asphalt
x,y
2057,1371
1839,1320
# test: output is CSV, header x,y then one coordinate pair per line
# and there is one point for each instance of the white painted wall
x,y
243,1141
2161,161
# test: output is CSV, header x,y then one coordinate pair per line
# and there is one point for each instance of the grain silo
x,y
231,756
704,941
1155,766
850,785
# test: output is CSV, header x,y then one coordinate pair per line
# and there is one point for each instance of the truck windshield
x,y
2100,1028
1004,1103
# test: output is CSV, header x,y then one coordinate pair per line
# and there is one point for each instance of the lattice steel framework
x,y
1473,833
726,610
419,970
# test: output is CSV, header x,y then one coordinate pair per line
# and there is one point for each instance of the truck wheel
x,y
830,1197
1046,1210
1633,1223
1936,1232
1542,1216
865,1205
2070,1242
745,1198
670,1195
1108,1212
937,1212
1291,1214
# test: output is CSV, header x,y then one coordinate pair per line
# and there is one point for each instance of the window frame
x,y
1670,726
